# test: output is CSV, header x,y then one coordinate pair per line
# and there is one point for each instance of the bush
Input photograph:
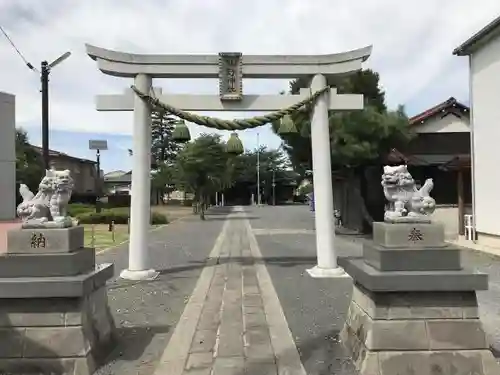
x,y
117,200
157,218
75,209
118,215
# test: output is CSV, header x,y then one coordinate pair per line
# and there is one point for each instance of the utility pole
x,y
44,77
258,170
98,183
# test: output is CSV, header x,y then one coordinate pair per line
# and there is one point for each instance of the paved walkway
x,y
233,322
244,305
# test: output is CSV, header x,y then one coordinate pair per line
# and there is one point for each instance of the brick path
x,y
233,323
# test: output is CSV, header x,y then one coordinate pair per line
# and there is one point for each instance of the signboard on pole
x,y
97,144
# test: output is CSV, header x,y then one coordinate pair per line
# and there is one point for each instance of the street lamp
x,y
44,76
98,145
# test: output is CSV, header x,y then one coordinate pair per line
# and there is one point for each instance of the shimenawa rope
x,y
236,124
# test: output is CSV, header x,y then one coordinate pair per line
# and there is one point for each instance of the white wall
x,y
7,156
447,124
485,100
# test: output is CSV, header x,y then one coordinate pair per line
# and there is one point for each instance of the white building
x,y
483,50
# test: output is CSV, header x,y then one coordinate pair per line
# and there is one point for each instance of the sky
x,y
412,51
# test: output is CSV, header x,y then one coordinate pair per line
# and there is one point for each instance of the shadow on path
x,y
208,218
279,261
132,341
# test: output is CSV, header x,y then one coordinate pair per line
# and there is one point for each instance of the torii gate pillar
x,y
140,211
323,190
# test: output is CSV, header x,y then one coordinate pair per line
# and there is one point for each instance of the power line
x,y
28,64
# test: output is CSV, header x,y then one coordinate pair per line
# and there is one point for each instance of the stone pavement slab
x,y
233,324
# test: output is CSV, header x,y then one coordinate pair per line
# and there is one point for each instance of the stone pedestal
x,y
54,315
414,309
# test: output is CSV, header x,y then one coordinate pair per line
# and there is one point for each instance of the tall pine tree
x,y
163,147
163,153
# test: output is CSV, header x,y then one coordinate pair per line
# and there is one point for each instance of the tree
x,y
164,148
29,165
357,137
162,180
163,152
274,168
201,167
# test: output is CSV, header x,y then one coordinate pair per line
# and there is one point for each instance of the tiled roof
x,y
396,156
443,107
125,177
54,153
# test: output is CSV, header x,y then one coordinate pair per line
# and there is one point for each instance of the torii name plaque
x,y
230,76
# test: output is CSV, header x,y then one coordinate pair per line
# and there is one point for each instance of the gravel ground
x,y
146,313
315,308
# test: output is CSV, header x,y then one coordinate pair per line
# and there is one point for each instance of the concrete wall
x,y
7,156
447,124
485,100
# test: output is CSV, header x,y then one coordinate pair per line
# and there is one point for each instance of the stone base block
x,y
322,273
134,275
36,241
55,335
47,265
404,281
415,305
60,286
416,333
410,259
456,362
408,235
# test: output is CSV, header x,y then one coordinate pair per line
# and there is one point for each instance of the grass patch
x,y
173,212
103,238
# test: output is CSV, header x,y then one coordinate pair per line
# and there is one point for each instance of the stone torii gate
x,y
230,69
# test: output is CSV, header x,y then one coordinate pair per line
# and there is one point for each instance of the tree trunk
x,y
202,208
361,193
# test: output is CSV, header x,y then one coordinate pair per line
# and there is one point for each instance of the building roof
x,y
479,39
444,160
126,177
53,153
445,107
114,173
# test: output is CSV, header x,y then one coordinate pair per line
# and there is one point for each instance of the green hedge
x,y
75,209
118,215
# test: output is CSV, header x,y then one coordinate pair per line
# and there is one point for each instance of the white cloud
x,y
412,44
